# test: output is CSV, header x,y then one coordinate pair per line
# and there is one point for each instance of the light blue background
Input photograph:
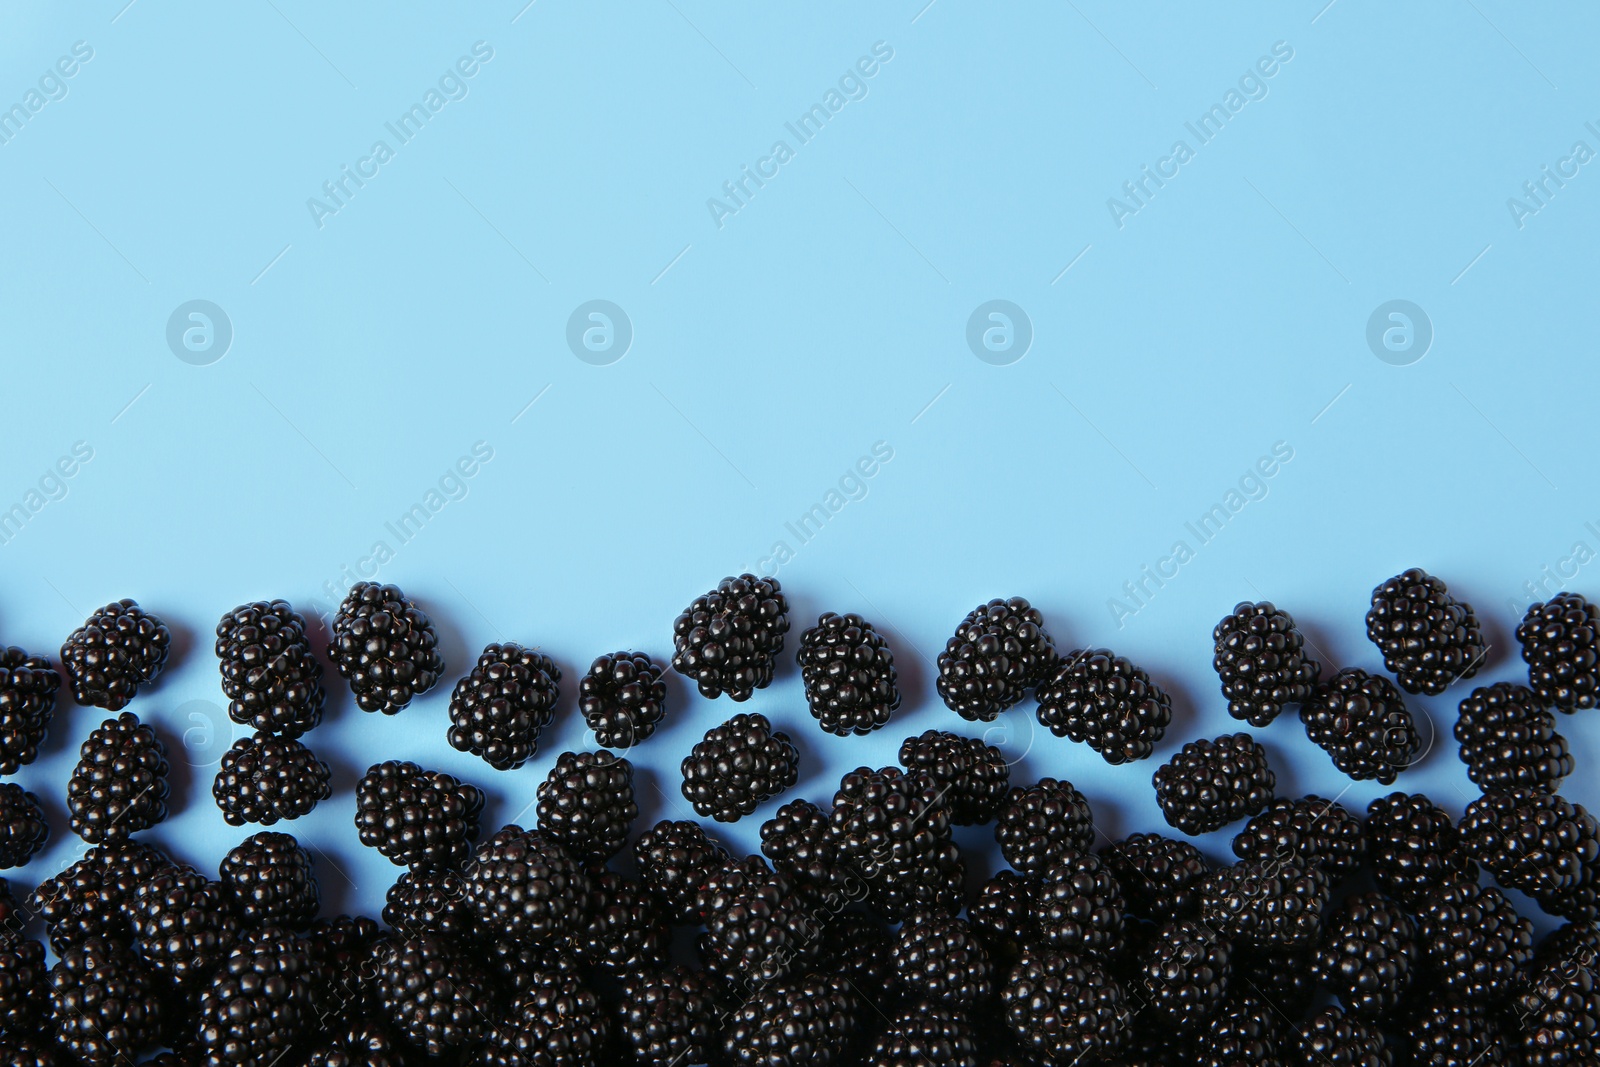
x,y
829,313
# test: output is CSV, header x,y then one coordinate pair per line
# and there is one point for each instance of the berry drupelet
x,y
622,698
1260,656
1369,955
431,993
385,647
972,775
119,786
849,675
1428,638
1210,784
498,711
941,959
738,766
674,860
106,1005
1078,907
669,1017
1160,876
525,887
28,686
265,778
810,1020
86,899
272,680
23,830
1182,975
1361,721
586,803
1509,741
1105,701
1474,941
1310,831
1561,643
415,817
998,653
1266,905
183,924
758,926
1062,1009
118,649
894,830
270,882
1414,849
1042,824
1542,844
728,641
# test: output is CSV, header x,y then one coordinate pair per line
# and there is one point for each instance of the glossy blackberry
x,y
183,924
525,887
1247,1032
1414,849
119,786
23,830
1568,946
1310,831
1103,700
1065,1009
86,899
1544,845
942,959
810,1020
385,647
1361,721
623,698
1002,912
269,879
624,932
586,803
1369,955
674,859
849,675
1474,941
359,1042
415,817
998,653
272,680
799,842
1428,638
119,648
1267,904
1042,824
1182,975
1561,644
28,686
971,775
1509,740
431,993
738,766
1079,908
1210,784
498,711
728,641
343,952
24,987
258,1004
893,829
431,902
106,1004
265,779
922,1034
1450,1033
758,926
1160,876
856,945
1260,656
1334,1039
1282,977
1559,1019
19,1050
556,1020
669,1017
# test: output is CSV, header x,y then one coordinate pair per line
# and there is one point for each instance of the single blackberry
x,y
729,640
1267,904
359,1042
1559,1016
385,647
24,988
1210,784
1247,1032
1334,1039
417,818
799,842
343,953
1282,977
623,698
557,1020
118,649
1063,1009
810,1020
1040,825
942,959
1182,975
1260,657
431,902
674,859
106,1004
856,945
500,708
1310,831
1369,956
1105,701
1544,845
1002,913
586,803
758,927
1509,740
625,932
525,887
258,1004
272,680
119,786
1569,946
269,879
265,778
669,1017
1361,721
1428,638
183,924
892,828
738,766
1450,1033
1078,907
23,830
849,675
28,687
998,653
1474,941
86,899
971,774
1160,876
431,993
1559,641
1414,849
922,1034
18,1050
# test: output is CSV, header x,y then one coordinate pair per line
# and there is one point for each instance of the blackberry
x,y
1369,955
183,924
385,647
1509,741
674,859
1282,977
1570,945
1062,1009
1160,876
24,989
799,842
810,1020
998,653
971,774
586,803
758,927
1260,657
1428,638
856,945
729,640
1414,849
18,1050
1361,721
1042,824
623,698
360,1042
1266,904
1560,1020
258,1005
432,994
415,817
738,766
942,959
498,711
669,1017
1335,1039
28,687
272,680
556,1020
23,830
343,951
269,879
1002,912
431,902
1559,641
119,786
849,675
893,830
118,649
1310,831
86,899
264,779
1544,845
625,932
106,1004
1210,784
1475,942
1450,1033
1183,976
525,887
1106,702
1247,1032
922,1034
1078,907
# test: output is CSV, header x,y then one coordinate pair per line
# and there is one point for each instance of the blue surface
x,y
1368,155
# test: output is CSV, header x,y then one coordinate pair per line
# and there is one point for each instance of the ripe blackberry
x,y
625,932
24,989
1559,641
893,830
970,774
1369,955
1260,657
1509,740
258,1004
1002,913
1078,907
106,1004
856,945
849,675
500,708
1042,824
1210,784
431,993
1160,876
1182,976
622,698
674,859
431,902
1568,946
922,1034
1282,977
86,899
799,842
118,649
758,927
360,1042
1428,638
738,766
265,778
810,1020
417,818
586,803
183,924
1474,941
1106,702
1334,1039
269,879
23,830
343,953
1450,1033
941,959
1063,1009
1559,1017
1310,831
525,887
554,1020
18,1050
669,1017
997,654
385,647
1265,904
1361,721
272,680
1414,849
729,640
119,786
28,687
1247,1032
1544,845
